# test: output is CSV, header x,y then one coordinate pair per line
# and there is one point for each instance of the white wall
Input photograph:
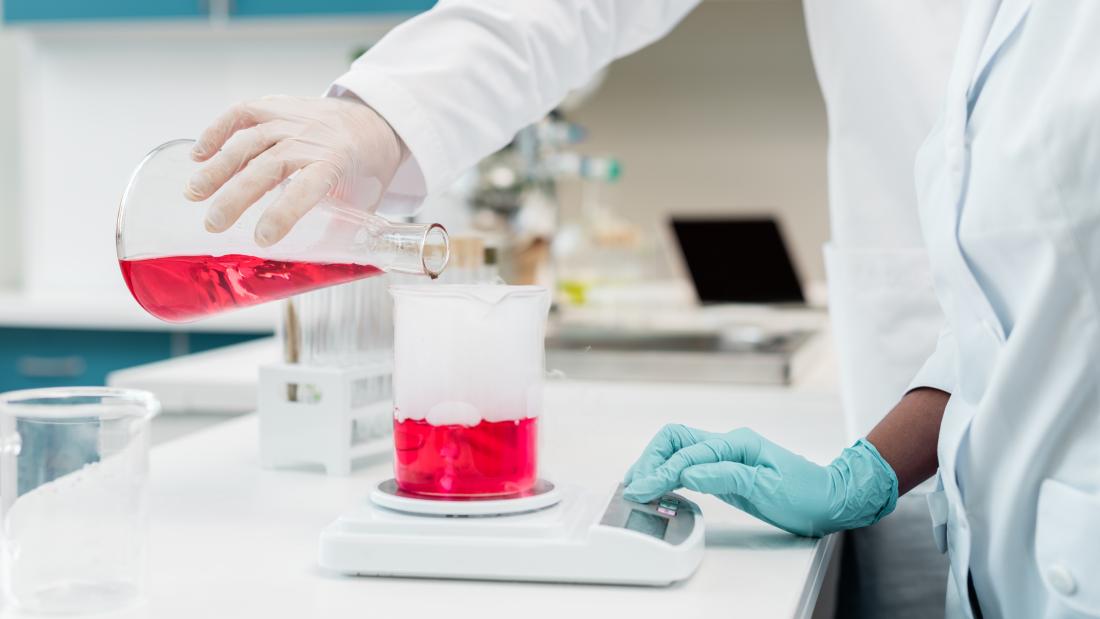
x,y
724,115
9,163
96,102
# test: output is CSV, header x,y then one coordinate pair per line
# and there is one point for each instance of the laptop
x,y
738,260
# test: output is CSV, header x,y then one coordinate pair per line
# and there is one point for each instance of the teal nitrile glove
x,y
759,477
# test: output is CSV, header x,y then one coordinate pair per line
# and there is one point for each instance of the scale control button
x,y
666,511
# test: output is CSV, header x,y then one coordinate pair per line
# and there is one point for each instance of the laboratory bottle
x,y
178,271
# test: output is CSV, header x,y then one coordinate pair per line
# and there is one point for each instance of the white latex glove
x,y
336,146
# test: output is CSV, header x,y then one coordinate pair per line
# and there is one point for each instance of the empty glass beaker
x,y
468,374
178,271
73,483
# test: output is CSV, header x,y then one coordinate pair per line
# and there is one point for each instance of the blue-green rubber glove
x,y
761,478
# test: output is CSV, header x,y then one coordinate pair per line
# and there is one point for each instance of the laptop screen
x,y
738,260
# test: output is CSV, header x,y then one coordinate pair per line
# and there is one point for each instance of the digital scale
x,y
549,534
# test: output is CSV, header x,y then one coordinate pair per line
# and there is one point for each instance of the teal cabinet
x,y
198,342
46,11
268,8
32,358
17,11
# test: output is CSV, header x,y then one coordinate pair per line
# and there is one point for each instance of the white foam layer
x,y
86,526
466,354
454,413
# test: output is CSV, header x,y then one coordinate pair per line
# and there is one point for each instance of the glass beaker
x,y
468,374
178,271
74,468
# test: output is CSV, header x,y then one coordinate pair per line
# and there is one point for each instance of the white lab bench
x,y
230,539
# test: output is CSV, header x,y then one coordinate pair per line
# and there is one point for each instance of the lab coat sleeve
x,y
940,370
458,81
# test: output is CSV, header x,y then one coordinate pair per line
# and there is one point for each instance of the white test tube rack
x,y
325,415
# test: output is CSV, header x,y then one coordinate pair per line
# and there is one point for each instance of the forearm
x,y
906,438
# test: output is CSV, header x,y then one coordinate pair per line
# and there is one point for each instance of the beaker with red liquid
x,y
178,271
468,374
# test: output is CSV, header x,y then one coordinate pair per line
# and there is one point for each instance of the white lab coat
x,y
882,67
1009,192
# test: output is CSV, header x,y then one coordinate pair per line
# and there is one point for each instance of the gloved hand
x,y
755,475
338,146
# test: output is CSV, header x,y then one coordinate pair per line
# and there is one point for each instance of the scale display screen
x,y
670,518
649,524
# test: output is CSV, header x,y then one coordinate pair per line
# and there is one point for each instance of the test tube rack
x,y
326,415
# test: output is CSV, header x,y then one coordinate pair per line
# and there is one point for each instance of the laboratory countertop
x,y
116,312
230,539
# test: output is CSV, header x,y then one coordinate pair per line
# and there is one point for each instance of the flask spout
x,y
418,249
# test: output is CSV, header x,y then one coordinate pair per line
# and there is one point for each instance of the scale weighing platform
x,y
550,534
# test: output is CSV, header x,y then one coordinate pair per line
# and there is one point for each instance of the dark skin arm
x,y
907,436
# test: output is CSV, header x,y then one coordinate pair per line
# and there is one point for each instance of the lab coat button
x,y
1061,579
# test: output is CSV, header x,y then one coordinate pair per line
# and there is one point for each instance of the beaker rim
x,y
72,402
498,291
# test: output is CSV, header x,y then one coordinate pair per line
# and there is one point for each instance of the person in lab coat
x,y
1008,209
1009,201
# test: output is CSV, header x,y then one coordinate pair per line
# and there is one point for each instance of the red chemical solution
x,y
182,288
491,458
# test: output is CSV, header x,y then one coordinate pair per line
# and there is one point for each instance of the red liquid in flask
x,y
491,458
182,288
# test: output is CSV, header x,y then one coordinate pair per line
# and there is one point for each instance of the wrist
x,y
392,149
886,477
867,484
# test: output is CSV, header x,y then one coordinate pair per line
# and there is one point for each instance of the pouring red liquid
x,y
184,288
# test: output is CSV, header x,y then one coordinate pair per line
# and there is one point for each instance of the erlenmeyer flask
x,y
179,272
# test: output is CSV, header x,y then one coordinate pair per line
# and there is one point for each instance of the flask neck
x,y
418,249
